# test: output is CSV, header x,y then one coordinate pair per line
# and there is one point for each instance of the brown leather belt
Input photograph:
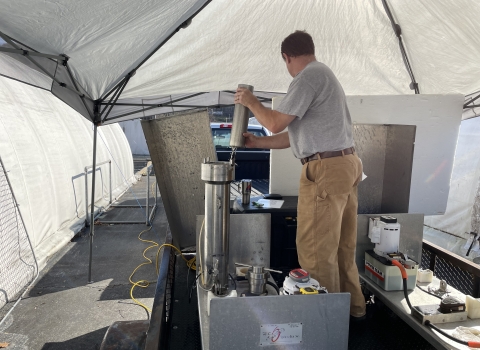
x,y
328,154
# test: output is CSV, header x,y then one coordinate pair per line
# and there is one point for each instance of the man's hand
x,y
245,97
278,141
250,140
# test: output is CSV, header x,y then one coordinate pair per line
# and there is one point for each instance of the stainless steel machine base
x,y
301,322
273,322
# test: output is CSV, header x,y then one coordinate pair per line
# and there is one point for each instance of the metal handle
x,y
245,265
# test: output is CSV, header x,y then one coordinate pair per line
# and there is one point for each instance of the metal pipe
x,y
471,101
266,269
32,53
147,206
115,98
91,166
154,104
214,251
110,176
150,217
240,122
92,209
121,222
124,206
87,222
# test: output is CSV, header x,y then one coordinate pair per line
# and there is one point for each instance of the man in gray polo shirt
x,y
320,135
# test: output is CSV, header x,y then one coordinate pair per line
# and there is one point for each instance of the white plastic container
x,y
424,276
473,307
385,233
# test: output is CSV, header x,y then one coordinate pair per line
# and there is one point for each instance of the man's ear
x,y
288,59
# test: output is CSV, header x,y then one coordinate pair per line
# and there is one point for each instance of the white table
x,y
395,300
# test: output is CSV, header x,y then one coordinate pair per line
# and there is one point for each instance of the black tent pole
x,y
92,210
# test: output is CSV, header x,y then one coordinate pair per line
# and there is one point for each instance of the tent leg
x,y
92,208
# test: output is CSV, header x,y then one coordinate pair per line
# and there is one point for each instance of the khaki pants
x,y
327,225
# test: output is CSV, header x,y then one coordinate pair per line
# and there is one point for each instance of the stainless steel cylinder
x,y
245,190
213,241
240,122
257,279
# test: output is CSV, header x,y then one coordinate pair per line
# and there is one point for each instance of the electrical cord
x,y
199,251
142,283
145,283
274,286
426,291
194,283
405,278
234,283
472,344
191,263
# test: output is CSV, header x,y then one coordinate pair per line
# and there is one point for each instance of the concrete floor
x,y
62,310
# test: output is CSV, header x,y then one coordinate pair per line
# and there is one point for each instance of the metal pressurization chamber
x,y
213,238
240,122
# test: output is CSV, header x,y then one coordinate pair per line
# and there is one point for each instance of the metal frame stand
x,y
87,221
148,213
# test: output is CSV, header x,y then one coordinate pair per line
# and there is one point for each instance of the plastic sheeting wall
x,y
45,146
460,216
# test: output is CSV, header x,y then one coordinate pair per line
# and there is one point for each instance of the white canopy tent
x,y
124,60
93,53
45,147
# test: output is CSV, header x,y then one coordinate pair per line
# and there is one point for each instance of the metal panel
x,y
387,155
249,241
157,333
411,235
398,168
370,143
235,323
177,146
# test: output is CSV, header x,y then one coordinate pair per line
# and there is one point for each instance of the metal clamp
x,y
441,291
245,265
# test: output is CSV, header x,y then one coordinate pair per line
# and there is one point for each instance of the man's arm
x,y
278,141
273,120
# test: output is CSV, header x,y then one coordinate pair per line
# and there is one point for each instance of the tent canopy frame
x,y
99,110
